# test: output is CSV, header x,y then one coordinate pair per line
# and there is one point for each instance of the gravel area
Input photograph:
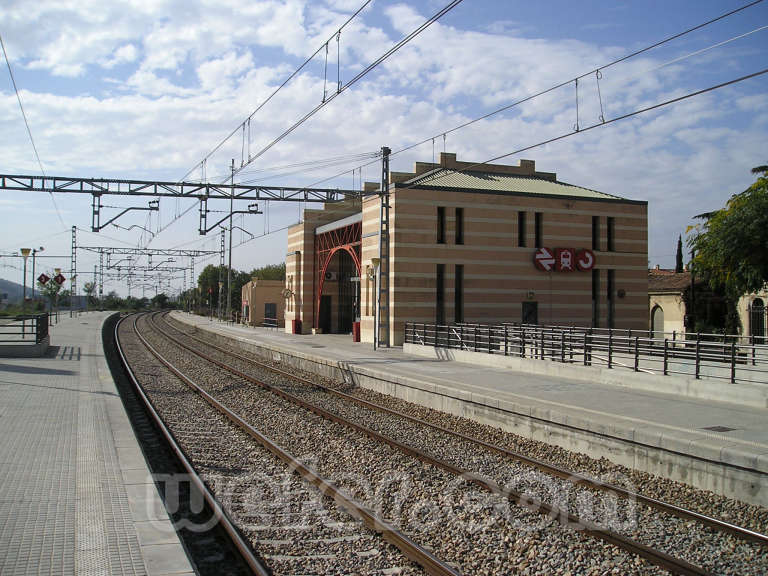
x,y
695,543
290,525
461,523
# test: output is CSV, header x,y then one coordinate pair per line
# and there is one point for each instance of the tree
x,y
679,257
160,301
731,246
209,280
269,272
90,292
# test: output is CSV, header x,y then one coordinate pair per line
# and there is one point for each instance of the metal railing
x,y
24,329
728,357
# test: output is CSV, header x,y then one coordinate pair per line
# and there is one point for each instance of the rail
x,y
24,329
732,358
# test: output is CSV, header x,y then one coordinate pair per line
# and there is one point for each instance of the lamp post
x,y
34,278
25,253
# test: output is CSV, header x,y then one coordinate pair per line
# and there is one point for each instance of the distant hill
x,y
15,291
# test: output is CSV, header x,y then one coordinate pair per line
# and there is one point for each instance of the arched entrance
x,y
657,321
337,301
757,321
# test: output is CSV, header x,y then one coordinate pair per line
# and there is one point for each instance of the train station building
x,y
471,243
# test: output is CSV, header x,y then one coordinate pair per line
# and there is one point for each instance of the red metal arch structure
x,y
347,238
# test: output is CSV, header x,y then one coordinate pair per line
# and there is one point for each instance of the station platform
x,y
76,496
709,444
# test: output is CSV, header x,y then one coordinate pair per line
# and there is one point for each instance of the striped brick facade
x,y
499,274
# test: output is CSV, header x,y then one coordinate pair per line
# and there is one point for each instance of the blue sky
x,y
145,89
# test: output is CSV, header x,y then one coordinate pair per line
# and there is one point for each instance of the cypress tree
x,y
679,259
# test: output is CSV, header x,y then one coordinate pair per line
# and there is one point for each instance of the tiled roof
x,y
668,280
444,178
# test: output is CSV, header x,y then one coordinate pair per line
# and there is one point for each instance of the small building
x,y
263,303
472,243
669,297
667,291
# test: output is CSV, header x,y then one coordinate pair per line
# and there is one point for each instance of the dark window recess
x,y
538,229
595,232
595,298
270,314
440,294
521,231
458,294
530,313
611,233
441,224
610,289
459,225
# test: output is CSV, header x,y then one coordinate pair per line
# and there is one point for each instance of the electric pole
x,y
229,266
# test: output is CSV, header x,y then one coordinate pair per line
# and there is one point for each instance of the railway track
x,y
569,475
303,393
261,493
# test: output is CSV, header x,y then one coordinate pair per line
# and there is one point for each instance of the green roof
x,y
493,182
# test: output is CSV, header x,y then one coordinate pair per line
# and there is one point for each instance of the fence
x,y
729,357
24,329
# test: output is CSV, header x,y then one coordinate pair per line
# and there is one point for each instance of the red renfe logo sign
x,y
564,259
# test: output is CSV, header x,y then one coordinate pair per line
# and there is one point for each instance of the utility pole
x,y
101,280
220,311
229,267
73,273
34,278
381,331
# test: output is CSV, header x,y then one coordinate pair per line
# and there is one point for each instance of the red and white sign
x,y
59,279
564,259
585,260
43,279
544,259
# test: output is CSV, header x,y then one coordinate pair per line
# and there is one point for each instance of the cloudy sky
x,y
146,89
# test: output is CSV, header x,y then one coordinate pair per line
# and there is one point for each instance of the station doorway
x,y
338,281
340,298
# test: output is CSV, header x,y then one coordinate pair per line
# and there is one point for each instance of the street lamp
x,y
25,253
34,278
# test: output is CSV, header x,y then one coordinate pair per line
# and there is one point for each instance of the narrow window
x,y
440,294
441,224
595,232
521,231
538,229
609,296
459,225
610,231
595,298
458,291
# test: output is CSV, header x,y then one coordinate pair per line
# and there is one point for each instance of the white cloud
x,y
195,70
123,55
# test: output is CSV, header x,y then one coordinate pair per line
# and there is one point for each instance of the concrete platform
x,y
76,496
665,434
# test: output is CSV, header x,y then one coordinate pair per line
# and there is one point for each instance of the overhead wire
x,y
607,122
509,106
450,6
26,123
596,70
564,83
272,95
